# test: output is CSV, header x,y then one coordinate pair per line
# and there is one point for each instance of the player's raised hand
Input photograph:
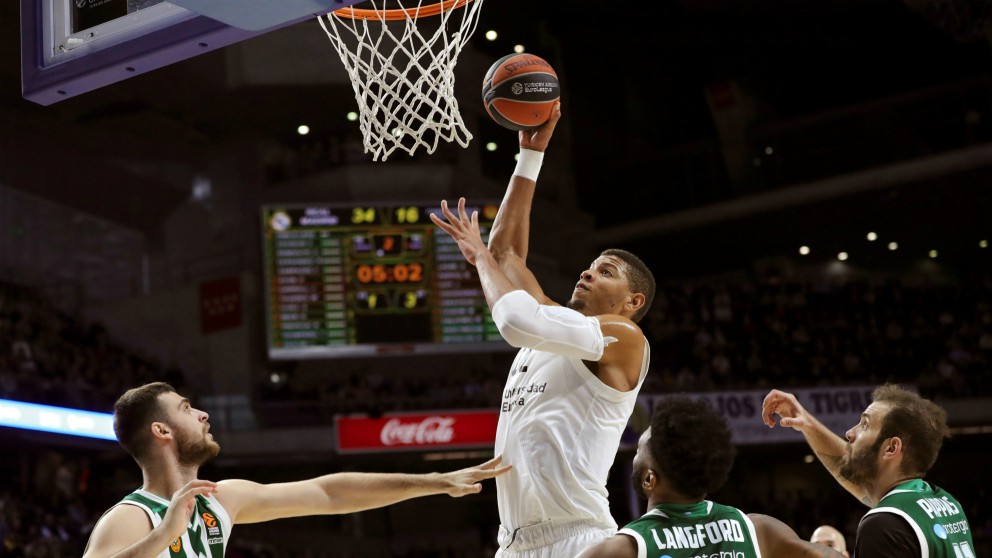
x,y
463,229
176,519
787,407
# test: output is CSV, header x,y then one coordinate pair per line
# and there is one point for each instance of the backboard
x,y
70,47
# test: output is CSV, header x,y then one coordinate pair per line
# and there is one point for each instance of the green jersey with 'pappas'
x,y
935,516
698,530
208,531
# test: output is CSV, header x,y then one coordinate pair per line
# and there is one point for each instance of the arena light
x,y
60,420
872,237
842,256
804,250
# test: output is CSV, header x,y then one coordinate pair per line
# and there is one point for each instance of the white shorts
x,y
551,539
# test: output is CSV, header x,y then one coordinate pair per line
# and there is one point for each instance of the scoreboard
x,y
365,280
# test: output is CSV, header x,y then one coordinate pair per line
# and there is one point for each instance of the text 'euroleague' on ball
x,y
520,91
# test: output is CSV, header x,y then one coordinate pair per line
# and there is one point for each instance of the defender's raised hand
x,y
787,407
176,519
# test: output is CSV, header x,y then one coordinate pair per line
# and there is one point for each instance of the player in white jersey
x,y
574,383
175,514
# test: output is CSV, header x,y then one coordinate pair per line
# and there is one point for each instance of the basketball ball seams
x,y
528,73
526,61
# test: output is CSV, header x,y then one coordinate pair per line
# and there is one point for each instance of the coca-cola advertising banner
x,y
400,431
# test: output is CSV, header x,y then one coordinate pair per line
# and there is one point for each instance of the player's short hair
x,y
641,279
134,411
691,445
921,424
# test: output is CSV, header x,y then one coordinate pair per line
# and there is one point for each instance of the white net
x,y
402,74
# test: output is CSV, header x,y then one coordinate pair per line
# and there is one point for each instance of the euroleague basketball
x,y
520,90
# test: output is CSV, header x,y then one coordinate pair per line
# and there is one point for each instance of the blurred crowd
x,y
761,334
50,357
45,509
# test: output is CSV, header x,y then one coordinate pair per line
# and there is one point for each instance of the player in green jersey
x,y
882,463
176,515
686,454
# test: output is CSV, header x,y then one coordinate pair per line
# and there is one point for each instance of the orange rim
x,y
401,13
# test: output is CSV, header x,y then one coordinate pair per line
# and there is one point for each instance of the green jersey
x,y
695,530
208,531
935,516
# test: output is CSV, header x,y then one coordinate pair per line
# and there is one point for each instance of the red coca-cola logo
x,y
430,430
406,432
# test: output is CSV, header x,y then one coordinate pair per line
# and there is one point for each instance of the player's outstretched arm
x,y
339,493
509,239
778,540
828,447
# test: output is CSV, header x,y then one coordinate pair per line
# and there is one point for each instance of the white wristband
x,y
529,164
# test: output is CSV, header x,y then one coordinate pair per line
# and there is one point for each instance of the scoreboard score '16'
x,y
354,280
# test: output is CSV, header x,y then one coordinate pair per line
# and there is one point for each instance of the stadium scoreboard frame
x,y
354,280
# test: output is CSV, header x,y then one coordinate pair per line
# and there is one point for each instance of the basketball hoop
x,y
403,77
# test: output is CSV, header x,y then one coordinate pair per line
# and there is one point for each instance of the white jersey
x,y
209,527
560,428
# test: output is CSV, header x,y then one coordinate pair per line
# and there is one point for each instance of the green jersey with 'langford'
x,y
208,531
934,515
699,530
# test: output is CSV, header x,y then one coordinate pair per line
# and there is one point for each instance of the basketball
x,y
520,91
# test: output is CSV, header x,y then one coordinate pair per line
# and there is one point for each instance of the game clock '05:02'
x,y
367,274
